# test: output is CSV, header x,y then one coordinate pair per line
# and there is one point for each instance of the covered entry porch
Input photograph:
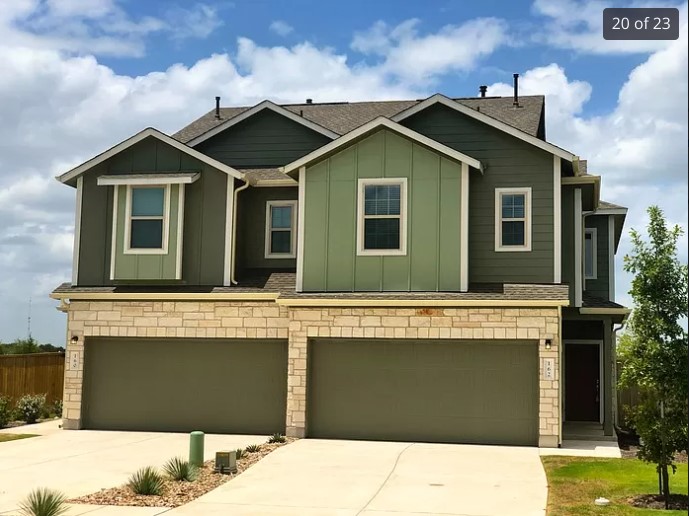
x,y
589,371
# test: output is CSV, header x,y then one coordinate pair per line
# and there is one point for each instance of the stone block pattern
x,y
425,323
266,319
179,319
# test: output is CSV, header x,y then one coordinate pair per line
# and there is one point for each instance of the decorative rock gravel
x,y
177,493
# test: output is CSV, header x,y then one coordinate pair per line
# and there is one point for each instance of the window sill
x,y
145,251
513,249
382,252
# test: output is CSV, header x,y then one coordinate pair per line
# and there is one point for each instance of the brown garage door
x,y
213,385
424,390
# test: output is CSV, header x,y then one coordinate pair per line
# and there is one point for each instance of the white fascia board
x,y
378,123
84,167
486,119
611,211
266,104
149,179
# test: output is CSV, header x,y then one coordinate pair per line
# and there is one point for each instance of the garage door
x,y
424,390
213,385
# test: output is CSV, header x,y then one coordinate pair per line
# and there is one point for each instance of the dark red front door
x,y
582,382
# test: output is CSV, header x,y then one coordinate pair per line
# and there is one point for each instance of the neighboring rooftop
x,y
342,117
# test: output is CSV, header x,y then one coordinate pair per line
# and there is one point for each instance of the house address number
x,y
74,360
548,369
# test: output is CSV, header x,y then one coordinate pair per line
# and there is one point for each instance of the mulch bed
x,y
177,493
678,502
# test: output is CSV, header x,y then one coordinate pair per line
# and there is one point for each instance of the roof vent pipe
x,y
483,90
309,101
516,90
217,108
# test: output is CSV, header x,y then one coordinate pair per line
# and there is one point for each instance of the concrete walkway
x,y
82,462
348,478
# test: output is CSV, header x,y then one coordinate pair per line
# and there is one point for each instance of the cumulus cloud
x,y
281,28
419,58
578,25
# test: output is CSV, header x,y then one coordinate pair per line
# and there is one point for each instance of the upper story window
x,y
280,229
146,227
590,253
513,219
382,217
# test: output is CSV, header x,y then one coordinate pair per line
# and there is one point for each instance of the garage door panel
x,y
226,386
433,390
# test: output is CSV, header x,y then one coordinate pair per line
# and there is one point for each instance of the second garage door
x,y
213,385
424,390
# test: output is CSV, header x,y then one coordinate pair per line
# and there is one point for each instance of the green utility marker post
x,y
196,448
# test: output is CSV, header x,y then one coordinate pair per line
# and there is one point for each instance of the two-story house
x,y
427,270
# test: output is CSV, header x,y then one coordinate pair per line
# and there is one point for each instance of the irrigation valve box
x,y
226,462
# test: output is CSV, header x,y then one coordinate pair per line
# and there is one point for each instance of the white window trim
x,y
293,230
402,251
594,249
526,192
128,219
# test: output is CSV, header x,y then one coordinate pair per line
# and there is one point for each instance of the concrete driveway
x,y
79,463
346,478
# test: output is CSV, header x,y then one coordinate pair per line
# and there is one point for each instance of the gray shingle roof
x,y
342,117
284,284
254,175
589,301
605,205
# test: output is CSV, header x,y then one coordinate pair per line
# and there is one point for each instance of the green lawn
x,y
14,437
575,482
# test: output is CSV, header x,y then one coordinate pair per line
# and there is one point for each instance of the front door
x,y
582,382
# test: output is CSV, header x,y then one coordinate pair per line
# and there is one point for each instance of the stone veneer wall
x,y
266,319
425,323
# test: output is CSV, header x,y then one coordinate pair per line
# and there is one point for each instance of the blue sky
x,y
81,75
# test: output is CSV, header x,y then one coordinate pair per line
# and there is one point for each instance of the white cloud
x,y
281,28
578,25
417,58
99,27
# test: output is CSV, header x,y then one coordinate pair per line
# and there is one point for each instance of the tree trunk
x,y
666,486
660,481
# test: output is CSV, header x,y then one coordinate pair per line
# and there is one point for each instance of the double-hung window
x,y
280,229
146,229
513,219
382,217
590,253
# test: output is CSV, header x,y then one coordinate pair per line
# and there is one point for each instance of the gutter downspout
x,y
233,281
615,420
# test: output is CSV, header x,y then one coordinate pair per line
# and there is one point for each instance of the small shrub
x,y
30,407
57,408
147,481
43,502
5,410
253,448
276,438
181,470
239,453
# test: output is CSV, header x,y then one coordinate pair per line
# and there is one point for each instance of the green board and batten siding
x,y
508,162
264,140
204,230
600,286
432,261
163,266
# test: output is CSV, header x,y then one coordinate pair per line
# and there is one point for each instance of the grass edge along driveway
x,y
575,482
14,437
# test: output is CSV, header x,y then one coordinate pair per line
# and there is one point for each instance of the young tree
x,y
654,356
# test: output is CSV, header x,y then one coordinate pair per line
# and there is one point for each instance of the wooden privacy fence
x,y
34,373
627,397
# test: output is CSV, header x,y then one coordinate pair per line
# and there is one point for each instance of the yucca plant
x,y
43,502
239,453
147,481
276,438
181,470
253,448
